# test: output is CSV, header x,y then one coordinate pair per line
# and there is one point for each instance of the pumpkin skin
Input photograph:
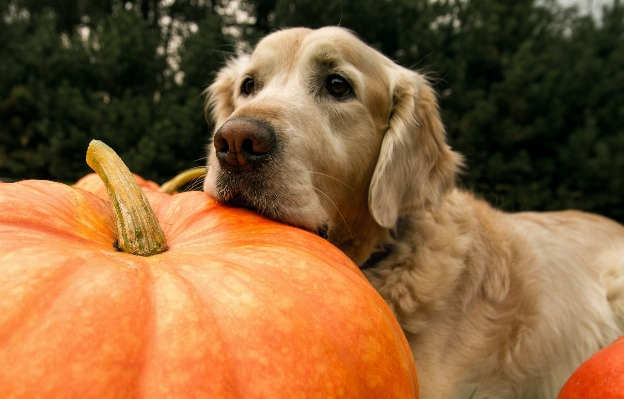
x,y
92,182
599,377
238,307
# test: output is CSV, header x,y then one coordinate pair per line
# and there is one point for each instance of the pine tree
x,y
128,73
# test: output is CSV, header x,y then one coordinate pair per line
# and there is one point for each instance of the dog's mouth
x,y
238,200
323,232
266,207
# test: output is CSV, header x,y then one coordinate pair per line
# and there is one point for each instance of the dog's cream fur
x,y
507,304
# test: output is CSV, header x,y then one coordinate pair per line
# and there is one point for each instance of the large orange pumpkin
x,y
237,307
599,377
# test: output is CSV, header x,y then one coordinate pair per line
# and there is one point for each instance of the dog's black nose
x,y
243,144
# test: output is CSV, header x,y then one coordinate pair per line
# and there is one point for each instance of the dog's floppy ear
x,y
416,167
220,94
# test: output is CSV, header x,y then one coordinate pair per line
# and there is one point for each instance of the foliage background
x,y
532,93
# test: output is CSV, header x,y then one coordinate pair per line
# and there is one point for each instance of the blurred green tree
x,y
130,73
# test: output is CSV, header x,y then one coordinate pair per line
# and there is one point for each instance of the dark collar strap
x,y
377,257
382,254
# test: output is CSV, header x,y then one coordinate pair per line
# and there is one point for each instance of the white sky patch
x,y
232,12
593,7
176,31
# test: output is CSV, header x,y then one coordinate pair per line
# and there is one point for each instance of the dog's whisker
x,y
195,185
332,177
338,210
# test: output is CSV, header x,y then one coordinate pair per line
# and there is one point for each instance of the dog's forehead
x,y
330,45
279,46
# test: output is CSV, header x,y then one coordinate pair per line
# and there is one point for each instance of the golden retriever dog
x,y
318,130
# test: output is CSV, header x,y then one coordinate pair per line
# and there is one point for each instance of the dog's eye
x,y
248,87
338,86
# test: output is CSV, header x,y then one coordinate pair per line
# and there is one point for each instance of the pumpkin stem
x,y
138,231
181,179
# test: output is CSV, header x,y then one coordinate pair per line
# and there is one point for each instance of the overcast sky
x,y
595,6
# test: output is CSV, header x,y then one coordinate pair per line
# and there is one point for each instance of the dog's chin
x,y
268,206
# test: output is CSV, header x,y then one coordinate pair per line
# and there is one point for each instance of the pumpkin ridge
x,y
158,364
149,326
234,389
342,355
175,223
261,276
35,303
49,215
234,270
38,236
360,381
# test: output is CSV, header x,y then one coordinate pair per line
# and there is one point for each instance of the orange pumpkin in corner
x,y
599,377
236,306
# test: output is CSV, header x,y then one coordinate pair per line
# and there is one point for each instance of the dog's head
x,y
318,130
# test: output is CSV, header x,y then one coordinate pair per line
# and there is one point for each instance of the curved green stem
x,y
138,231
181,179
